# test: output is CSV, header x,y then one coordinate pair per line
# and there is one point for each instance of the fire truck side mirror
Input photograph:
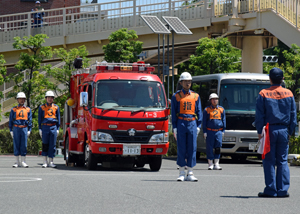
x,y
83,99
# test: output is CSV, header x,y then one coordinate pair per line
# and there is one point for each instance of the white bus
x,y
237,94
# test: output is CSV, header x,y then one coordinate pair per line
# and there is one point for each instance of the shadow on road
x,y
239,196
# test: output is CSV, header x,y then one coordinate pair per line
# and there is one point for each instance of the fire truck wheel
x,y
155,163
89,158
69,157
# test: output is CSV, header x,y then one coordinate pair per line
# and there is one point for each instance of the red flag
x,y
267,147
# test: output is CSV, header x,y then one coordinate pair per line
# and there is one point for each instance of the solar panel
x,y
177,25
155,24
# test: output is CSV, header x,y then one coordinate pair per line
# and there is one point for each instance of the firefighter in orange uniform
x,y
214,125
186,121
276,106
49,122
20,124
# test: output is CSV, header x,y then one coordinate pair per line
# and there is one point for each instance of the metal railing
x,y
6,88
289,9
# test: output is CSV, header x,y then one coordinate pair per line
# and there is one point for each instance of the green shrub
x,y
34,142
294,145
172,146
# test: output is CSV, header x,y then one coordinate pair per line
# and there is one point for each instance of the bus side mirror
x,y
169,102
83,99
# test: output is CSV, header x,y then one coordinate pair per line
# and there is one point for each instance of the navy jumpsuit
x,y
186,117
276,106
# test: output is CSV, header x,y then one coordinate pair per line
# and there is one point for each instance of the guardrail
x,y
7,102
126,13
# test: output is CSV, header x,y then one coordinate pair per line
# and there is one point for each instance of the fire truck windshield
x,y
129,95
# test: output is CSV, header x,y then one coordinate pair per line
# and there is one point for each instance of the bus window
x,y
206,88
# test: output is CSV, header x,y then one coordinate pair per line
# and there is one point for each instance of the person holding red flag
x,y
276,109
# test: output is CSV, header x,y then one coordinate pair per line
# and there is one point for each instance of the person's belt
x,y
48,124
215,130
20,126
278,124
187,118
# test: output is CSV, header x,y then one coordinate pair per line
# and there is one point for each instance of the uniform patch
x,y
187,102
49,111
214,113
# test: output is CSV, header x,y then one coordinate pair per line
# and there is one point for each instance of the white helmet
x,y
49,94
21,95
185,76
213,95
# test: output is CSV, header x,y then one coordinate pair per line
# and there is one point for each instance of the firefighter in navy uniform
x,y
186,121
49,122
214,125
20,125
275,106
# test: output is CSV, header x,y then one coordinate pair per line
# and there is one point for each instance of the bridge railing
x,y
289,9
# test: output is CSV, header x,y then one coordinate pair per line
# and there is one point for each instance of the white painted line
x,y
17,179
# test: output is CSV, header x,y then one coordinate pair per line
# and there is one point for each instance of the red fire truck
x,y
119,114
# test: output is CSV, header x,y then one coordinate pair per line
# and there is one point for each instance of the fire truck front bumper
x,y
129,149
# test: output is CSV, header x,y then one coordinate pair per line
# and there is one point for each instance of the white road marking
x,y
17,179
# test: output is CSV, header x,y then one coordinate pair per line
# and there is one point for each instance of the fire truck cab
x,y
117,115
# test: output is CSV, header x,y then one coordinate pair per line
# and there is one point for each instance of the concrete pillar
x,y
252,54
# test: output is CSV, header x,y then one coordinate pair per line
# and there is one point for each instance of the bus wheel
x,y
239,157
89,158
198,155
68,156
155,163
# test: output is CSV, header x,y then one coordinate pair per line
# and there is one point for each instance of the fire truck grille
x,y
123,137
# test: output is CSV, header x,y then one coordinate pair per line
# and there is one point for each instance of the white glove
x,y
40,131
223,134
12,134
175,133
198,131
28,133
57,132
205,135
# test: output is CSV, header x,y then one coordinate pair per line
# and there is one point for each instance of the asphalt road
x,y
77,190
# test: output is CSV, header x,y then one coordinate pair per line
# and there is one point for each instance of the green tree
x,y
2,77
63,75
215,56
122,46
29,64
292,69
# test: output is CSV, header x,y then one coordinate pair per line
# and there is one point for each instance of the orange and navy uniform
x,y
20,116
49,115
186,118
214,119
275,105
186,105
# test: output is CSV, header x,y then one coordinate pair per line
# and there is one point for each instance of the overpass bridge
x,y
250,25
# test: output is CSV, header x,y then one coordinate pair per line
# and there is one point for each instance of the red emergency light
x,y
136,67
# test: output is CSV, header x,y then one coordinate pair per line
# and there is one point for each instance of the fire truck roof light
x,y
124,67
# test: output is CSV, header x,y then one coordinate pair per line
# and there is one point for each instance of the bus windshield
x,y
129,95
238,98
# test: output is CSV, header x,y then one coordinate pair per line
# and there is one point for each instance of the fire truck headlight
x,y
100,136
160,138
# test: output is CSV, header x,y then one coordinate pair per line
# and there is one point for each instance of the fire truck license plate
x,y
131,149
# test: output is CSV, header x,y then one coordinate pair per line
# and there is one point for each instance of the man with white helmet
x,y
214,125
186,121
20,125
49,122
